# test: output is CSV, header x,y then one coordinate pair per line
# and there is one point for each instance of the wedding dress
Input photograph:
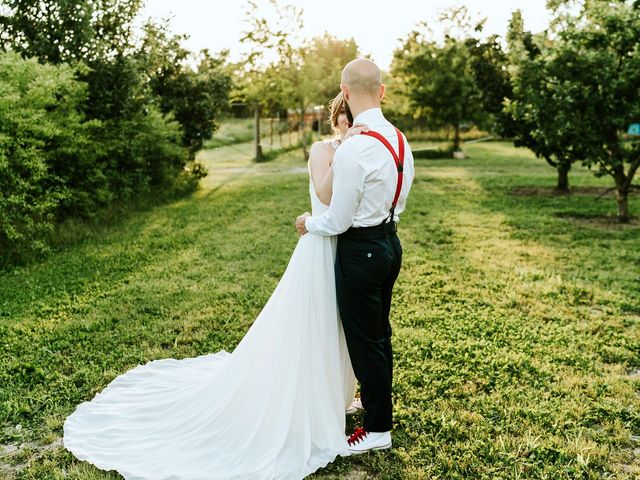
x,y
274,408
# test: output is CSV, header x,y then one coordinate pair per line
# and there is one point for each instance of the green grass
x,y
516,316
231,131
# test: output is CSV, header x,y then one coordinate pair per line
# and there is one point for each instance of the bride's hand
x,y
355,130
300,223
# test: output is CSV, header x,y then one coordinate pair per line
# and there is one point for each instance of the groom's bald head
x,y
363,77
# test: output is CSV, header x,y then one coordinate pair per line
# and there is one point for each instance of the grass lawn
x,y
231,130
516,316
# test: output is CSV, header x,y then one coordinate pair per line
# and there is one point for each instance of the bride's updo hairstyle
x,y
336,106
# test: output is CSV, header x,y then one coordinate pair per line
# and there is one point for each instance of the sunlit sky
x,y
376,26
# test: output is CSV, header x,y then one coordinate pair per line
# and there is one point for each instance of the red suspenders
x,y
397,157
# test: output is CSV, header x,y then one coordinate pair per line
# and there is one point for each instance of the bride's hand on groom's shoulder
x,y
357,129
300,223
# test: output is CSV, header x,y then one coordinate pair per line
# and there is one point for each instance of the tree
x,y
438,77
278,74
597,56
533,103
396,103
489,68
135,146
195,97
586,91
58,31
260,80
311,74
325,57
97,33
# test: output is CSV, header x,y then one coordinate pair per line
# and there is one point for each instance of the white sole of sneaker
x,y
358,452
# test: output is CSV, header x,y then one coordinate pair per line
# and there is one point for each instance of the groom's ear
x,y
383,90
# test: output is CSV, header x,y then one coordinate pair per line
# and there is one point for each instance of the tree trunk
x,y
563,177
256,117
623,186
622,197
271,132
302,136
456,139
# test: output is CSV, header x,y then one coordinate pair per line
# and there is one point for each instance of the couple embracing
x,y
275,407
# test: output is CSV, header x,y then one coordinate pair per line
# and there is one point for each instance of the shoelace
x,y
357,436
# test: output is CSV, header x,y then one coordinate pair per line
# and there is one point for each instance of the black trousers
x,y
367,264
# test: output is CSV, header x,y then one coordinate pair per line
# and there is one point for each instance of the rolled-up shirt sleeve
x,y
347,189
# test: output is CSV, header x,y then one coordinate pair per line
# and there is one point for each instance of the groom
x,y
370,189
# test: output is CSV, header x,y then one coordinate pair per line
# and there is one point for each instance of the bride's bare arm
x,y
321,171
320,165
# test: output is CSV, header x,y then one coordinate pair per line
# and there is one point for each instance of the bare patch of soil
x,y
11,461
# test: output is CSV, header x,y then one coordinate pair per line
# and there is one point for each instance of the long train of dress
x,y
274,408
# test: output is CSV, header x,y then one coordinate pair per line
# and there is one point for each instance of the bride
x,y
274,408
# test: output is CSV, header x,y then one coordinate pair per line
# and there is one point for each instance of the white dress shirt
x,y
364,180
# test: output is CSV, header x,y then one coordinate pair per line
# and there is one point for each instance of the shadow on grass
x,y
593,191
605,221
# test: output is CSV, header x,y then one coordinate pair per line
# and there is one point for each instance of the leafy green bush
x,y
55,164
97,119
43,143
140,153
